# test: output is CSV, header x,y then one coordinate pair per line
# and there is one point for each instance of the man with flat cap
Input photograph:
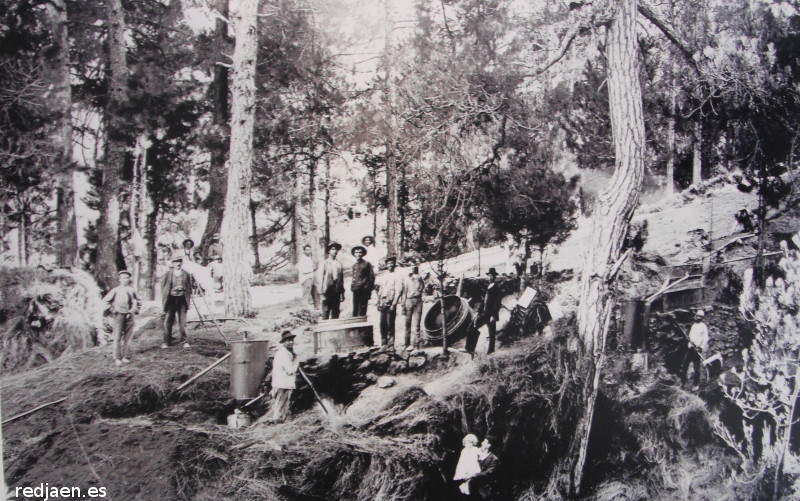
x,y
390,290
284,374
363,281
176,295
331,283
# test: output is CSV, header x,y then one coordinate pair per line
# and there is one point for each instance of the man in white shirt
x,y
390,290
305,276
331,284
698,347
284,374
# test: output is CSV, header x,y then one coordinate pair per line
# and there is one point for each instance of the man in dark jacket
x,y
363,281
176,295
490,309
482,485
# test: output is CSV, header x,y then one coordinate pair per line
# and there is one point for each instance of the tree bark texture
x,y
394,231
220,118
57,64
108,245
697,154
613,210
254,235
236,267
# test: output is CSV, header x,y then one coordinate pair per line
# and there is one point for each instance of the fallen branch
x,y
22,415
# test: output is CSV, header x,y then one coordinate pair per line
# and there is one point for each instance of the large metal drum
x,y
634,326
248,366
459,320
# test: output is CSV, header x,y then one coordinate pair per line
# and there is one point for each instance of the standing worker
x,y
412,306
284,374
698,345
176,296
124,303
390,290
490,309
331,284
305,275
363,282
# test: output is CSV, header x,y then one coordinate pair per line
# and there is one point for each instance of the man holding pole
x,y
284,372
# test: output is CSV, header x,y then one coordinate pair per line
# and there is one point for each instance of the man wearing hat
x,y
489,311
413,289
284,373
390,290
331,283
124,303
698,346
176,295
363,281
188,245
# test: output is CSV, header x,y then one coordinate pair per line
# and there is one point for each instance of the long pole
x,y
21,415
199,374
319,399
213,319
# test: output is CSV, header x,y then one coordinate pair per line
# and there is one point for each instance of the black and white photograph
x,y
400,250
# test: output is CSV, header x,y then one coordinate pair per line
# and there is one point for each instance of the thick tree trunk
x,y
108,247
393,220
236,267
611,216
57,64
220,118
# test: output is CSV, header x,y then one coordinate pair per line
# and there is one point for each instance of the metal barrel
x,y
459,319
248,367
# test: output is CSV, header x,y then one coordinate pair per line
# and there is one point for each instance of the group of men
x,y
394,290
177,286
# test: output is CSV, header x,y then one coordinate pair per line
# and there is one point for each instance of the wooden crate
x,y
342,335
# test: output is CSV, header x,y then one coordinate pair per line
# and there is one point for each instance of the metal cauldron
x,y
248,367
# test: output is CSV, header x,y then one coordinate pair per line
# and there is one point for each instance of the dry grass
x,y
47,316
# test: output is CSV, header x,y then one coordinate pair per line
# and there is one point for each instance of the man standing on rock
x,y
413,289
331,284
363,282
390,290
284,374
698,346
176,296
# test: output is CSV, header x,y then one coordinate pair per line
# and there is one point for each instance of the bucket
x,y
239,419
248,367
459,320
